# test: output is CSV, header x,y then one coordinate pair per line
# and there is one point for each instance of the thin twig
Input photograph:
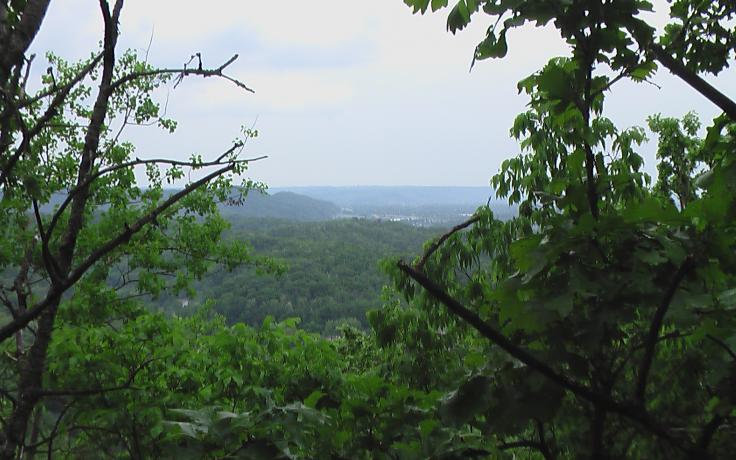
x,y
127,385
722,344
436,245
183,72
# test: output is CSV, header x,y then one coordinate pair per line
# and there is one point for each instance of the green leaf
x,y
652,209
491,47
643,71
437,4
470,399
313,398
459,17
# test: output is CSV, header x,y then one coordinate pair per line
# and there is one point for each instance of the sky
x,y
346,92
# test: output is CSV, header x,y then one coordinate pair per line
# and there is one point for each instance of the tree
x,y
80,237
678,152
606,308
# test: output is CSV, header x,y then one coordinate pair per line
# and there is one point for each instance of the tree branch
x,y
497,337
54,430
589,156
21,104
31,371
722,344
695,81
20,37
137,162
543,446
22,320
629,411
688,76
51,266
127,385
437,243
183,72
651,340
523,444
709,430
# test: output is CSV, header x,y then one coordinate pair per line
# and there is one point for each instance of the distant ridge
x,y
417,205
393,196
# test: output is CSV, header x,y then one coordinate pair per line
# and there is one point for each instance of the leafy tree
x,y
679,148
607,310
79,236
206,390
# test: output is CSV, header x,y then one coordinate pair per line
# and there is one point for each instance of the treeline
x,y
331,274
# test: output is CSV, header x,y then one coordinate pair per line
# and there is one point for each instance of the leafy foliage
x,y
598,323
201,389
68,139
602,290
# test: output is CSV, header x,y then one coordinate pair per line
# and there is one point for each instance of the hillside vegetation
x,y
331,272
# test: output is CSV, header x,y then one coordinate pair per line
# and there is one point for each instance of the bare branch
x,y
695,81
183,72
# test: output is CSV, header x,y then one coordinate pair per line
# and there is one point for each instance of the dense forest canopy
x,y
596,323
331,274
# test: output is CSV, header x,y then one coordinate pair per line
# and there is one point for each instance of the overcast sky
x,y
347,92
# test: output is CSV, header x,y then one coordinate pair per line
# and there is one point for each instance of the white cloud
x,y
317,23
347,91
275,91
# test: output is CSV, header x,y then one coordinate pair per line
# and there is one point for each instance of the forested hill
x,y
333,274
283,205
